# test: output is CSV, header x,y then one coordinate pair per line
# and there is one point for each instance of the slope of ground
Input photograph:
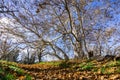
x,y
11,71
75,70
71,70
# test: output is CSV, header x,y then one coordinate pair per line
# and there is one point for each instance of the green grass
x,y
118,70
17,70
82,64
4,63
118,63
7,70
106,68
86,66
64,65
111,64
61,64
52,63
28,77
102,70
8,77
1,71
95,69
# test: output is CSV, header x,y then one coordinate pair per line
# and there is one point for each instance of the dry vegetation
x,y
61,70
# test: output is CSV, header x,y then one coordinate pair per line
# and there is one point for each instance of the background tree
x,y
8,51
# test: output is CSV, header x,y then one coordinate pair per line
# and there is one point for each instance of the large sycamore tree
x,y
61,28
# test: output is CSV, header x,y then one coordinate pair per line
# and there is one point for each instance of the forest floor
x,y
61,70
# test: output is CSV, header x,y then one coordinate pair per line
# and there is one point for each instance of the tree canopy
x,y
60,29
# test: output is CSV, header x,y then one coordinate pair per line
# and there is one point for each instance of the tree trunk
x,y
40,57
78,52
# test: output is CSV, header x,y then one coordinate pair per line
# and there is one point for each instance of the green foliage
x,y
95,69
4,63
117,70
1,71
111,64
108,73
87,66
82,64
64,65
61,64
118,63
102,70
28,77
106,70
16,69
8,77
51,63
